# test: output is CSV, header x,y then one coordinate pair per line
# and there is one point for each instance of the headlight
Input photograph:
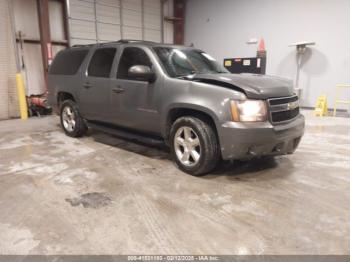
x,y
248,111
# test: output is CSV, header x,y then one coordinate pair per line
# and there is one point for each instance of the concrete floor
x,y
103,195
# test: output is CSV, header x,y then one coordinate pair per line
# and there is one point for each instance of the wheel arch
x,y
178,111
63,96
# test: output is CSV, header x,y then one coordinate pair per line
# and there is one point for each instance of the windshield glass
x,y
185,62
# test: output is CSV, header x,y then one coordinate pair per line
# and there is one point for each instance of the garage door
x,y
110,20
8,94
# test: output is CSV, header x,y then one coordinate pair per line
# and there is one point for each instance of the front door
x,y
95,90
135,102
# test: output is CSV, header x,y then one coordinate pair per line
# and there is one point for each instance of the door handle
x,y
118,89
87,85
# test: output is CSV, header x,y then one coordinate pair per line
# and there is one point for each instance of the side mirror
x,y
141,73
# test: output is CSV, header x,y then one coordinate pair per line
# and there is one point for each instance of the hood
x,y
254,86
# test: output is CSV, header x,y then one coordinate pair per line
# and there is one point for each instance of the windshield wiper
x,y
184,77
187,76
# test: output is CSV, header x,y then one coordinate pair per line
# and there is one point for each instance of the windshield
x,y
185,62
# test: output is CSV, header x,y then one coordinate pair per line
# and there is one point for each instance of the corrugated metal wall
x,y
92,21
8,93
27,22
57,31
168,30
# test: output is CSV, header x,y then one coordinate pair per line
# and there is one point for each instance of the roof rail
x,y
126,41
121,41
80,45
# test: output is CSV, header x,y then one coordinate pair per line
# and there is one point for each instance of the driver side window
x,y
132,56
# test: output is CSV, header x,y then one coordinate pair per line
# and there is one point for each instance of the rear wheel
x,y
194,145
71,121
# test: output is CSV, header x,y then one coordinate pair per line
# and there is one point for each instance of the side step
x,y
129,135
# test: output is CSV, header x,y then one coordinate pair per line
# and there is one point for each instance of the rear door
x,y
96,85
136,102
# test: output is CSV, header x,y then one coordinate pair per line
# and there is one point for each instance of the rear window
x,y
68,62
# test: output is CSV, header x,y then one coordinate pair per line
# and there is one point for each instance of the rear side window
x,y
101,62
132,56
68,62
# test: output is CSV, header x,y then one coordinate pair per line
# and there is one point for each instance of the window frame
x,y
93,52
79,68
152,64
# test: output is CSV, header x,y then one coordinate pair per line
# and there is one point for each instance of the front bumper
x,y
249,140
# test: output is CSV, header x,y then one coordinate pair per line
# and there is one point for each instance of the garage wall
x,y
168,10
29,47
8,93
222,27
27,22
92,21
56,11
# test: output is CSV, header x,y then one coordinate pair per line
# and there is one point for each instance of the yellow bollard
x,y
21,97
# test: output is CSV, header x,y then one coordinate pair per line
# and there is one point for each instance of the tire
x,y
68,112
184,145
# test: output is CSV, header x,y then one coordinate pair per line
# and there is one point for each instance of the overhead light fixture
x,y
301,46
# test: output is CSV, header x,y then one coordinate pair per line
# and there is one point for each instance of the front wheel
x,y
194,145
71,121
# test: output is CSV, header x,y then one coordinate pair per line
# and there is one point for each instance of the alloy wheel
x,y
187,146
68,118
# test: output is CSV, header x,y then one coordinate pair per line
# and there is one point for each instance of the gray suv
x,y
178,95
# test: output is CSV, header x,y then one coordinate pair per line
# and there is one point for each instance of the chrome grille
x,y
283,109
